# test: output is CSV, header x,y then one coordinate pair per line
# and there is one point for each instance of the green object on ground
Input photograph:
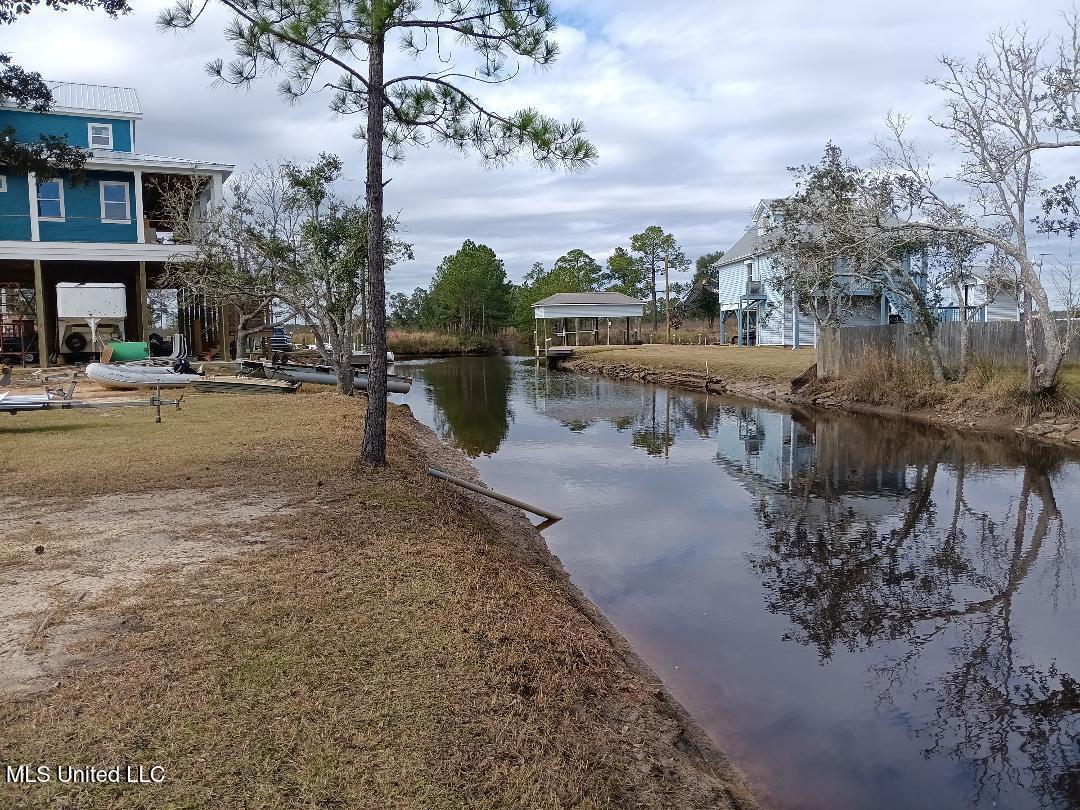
x,y
124,352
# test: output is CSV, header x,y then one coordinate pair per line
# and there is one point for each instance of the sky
x,y
696,109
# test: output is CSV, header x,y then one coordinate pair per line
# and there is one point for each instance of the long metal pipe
x,y
469,485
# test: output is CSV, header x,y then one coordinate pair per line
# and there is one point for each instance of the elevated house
x,y
110,225
752,312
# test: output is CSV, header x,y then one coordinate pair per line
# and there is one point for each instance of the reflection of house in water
x,y
772,453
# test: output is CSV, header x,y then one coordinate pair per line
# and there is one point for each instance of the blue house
x,y
111,225
752,312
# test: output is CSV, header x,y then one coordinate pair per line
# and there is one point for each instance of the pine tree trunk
x,y
373,450
654,310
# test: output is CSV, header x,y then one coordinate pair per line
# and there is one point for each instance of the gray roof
x,y
95,98
587,298
750,244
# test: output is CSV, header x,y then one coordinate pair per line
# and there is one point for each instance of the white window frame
x,y
37,201
127,201
90,135
3,183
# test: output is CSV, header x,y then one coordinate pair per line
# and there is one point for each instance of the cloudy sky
x,y
697,108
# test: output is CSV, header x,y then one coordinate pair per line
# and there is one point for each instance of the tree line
x,y
470,292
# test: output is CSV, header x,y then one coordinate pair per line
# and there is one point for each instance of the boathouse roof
x,y
588,299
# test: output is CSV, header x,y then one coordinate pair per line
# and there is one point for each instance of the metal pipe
x,y
469,485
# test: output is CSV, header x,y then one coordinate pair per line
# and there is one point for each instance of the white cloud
x,y
696,108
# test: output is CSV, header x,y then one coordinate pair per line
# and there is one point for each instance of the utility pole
x,y
667,299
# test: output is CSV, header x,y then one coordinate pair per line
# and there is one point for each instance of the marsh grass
x,y
986,390
421,343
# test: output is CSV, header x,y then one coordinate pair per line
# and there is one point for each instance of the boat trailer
x,y
63,399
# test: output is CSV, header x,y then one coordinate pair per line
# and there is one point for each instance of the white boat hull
x,y
124,376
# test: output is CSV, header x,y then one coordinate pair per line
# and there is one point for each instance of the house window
x,y
50,199
101,136
3,182
114,201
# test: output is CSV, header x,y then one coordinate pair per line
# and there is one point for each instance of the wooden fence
x,y
998,343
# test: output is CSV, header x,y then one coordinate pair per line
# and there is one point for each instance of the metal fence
x,y
998,343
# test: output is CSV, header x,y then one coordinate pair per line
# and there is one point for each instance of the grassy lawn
x,y
754,363
391,645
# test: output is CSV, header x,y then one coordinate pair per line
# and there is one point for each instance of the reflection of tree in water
x,y
938,579
472,402
654,416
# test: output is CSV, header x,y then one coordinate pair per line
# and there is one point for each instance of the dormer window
x,y
101,136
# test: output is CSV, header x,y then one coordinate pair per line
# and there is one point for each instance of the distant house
x,y
111,224
752,312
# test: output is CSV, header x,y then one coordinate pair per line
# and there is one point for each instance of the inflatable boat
x,y
139,375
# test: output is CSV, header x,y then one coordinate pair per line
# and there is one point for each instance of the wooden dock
x,y
556,354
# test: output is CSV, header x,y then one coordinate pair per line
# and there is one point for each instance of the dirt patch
x,y
60,557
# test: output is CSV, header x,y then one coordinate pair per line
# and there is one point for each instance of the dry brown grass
x,y
986,391
419,343
392,648
752,364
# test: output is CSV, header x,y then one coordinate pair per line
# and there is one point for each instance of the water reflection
x,y
862,544
472,402
867,613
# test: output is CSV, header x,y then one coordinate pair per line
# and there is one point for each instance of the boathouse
x,y
595,316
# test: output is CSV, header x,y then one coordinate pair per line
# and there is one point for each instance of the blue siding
x,y
82,213
15,208
28,125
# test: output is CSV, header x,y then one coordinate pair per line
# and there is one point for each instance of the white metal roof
x,y
105,158
587,299
588,305
123,101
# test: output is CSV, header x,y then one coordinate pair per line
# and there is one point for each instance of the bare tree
x,y
828,246
1002,112
228,266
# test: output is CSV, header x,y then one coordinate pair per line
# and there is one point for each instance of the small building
x,y
108,226
599,311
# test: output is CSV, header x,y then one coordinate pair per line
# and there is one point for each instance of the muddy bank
x,y
808,392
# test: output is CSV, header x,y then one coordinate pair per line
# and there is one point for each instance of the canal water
x,y
863,613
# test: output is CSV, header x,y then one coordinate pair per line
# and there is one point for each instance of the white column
x,y
216,194
35,228
795,322
140,220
